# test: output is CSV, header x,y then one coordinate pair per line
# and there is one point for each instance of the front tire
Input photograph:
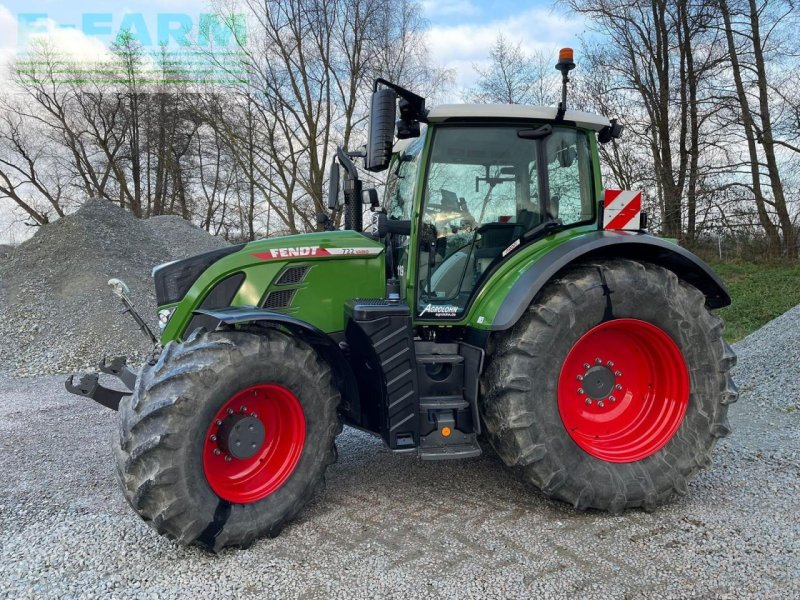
x,y
613,388
227,436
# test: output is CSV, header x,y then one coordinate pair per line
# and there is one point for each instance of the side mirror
x,y
382,117
370,196
333,187
118,288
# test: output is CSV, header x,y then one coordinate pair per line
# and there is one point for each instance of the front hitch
x,y
89,385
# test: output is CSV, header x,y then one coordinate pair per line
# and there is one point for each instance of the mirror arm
x,y
416,103
346,162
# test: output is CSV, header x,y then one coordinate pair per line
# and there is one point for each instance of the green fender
x,y
503,313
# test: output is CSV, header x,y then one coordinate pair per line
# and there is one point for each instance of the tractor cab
x,y
467,187
485,179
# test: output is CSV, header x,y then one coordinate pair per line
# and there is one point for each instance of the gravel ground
x,y
391,526
57,313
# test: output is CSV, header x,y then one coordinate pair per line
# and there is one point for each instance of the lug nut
x,y
586,365
228,458
218,422
254,415
618,387
213,438
580,390
610,363
243,409
600,404
230,411
588,401
618,373
217,451
612,399
597,361
580,377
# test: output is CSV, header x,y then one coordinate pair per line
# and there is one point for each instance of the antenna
x,y
565,64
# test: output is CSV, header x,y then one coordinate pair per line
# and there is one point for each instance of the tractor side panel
x,y
309,277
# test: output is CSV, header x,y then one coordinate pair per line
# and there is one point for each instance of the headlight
x,y
164,315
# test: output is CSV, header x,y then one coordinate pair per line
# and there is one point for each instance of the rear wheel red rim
x,y
270,462
623,390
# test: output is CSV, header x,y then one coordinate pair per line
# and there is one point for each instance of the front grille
x,y
279,299
293,276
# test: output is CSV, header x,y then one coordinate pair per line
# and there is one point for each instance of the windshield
x,y
486,188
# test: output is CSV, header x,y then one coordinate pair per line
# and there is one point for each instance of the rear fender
x,y
609,244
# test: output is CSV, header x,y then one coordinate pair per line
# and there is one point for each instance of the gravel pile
x,y
391,526
57,313
769,354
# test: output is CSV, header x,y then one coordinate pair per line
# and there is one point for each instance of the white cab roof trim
x,y
515,111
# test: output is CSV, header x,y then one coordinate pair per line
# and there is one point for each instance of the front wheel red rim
x,y
254,443
623,390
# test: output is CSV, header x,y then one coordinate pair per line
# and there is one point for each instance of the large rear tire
x,y
613,388
227,436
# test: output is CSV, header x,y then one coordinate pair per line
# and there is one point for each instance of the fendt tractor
x,y
503,299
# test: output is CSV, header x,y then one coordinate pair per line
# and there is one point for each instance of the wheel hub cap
x,y
598,382
241,436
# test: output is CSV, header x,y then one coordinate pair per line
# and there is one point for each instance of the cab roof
x,y
582,119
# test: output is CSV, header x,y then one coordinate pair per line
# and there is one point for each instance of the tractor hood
x,y
173,280
309,277
328,244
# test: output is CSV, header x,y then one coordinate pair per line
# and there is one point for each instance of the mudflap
x,y
89,385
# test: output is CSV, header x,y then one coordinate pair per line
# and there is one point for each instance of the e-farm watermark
x,y
166,47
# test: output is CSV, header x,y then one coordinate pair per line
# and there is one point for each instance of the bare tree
x,y
244,157
515,77
27,173
310,69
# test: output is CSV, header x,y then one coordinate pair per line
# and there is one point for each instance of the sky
x,y
460,33
459,36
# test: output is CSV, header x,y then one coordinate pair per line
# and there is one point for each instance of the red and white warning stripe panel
x,y
315,251
622,209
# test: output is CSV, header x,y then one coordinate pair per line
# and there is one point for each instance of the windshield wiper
x,y
535,134
549,226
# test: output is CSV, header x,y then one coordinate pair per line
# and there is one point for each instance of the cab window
x,y
399,199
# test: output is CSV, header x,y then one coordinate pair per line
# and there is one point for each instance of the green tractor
x,y
503,299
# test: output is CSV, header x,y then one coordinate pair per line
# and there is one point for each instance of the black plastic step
x,y
440,359
442,402
450,452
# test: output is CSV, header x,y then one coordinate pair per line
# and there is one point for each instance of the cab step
x,y
443,403
451,452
